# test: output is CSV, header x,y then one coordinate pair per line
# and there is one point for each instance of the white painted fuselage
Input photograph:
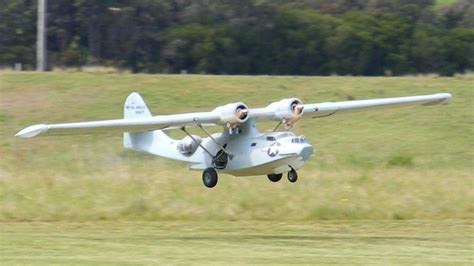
x,y
250,152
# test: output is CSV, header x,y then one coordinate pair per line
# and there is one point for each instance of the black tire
x,y
275,177
292,176
209,177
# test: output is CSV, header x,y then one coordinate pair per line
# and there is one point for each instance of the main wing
x,y
119,125
288,111
138,118
316,110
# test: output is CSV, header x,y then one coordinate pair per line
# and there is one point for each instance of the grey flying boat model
x,y
240,150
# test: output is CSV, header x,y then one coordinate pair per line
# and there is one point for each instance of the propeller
x,y
297,108
241,113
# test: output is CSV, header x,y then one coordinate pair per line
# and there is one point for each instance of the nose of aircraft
x,y
303,150
306,152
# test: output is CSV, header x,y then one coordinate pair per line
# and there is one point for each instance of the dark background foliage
x,y
319,37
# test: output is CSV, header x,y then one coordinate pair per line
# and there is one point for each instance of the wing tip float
x,y
444,98
139,123
32,131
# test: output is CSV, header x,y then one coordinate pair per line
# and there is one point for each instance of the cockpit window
x,y
277,136
300,139
284,135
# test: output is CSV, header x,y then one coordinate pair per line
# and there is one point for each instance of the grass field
x,y
392,186
368,242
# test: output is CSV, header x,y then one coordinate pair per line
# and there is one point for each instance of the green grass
x,y
413,163
165,242
385,187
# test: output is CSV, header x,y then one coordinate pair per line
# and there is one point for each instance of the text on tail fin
x,y
135,107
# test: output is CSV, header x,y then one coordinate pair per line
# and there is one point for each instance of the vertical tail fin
x,y
135,107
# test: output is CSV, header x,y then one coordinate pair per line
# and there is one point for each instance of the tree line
x,y
281,37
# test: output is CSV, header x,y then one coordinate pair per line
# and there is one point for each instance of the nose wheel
x,y
209,177
292,176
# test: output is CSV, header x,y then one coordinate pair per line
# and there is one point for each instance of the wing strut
x,y
278,125
183,128
215,141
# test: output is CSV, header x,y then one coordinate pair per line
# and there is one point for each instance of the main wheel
x,y
292,176
209,177
275,177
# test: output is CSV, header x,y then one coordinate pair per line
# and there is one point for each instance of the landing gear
x,y
292,176
275,177
209,177
220,160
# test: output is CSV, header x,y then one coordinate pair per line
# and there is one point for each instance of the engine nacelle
x,y
232,114
287,110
